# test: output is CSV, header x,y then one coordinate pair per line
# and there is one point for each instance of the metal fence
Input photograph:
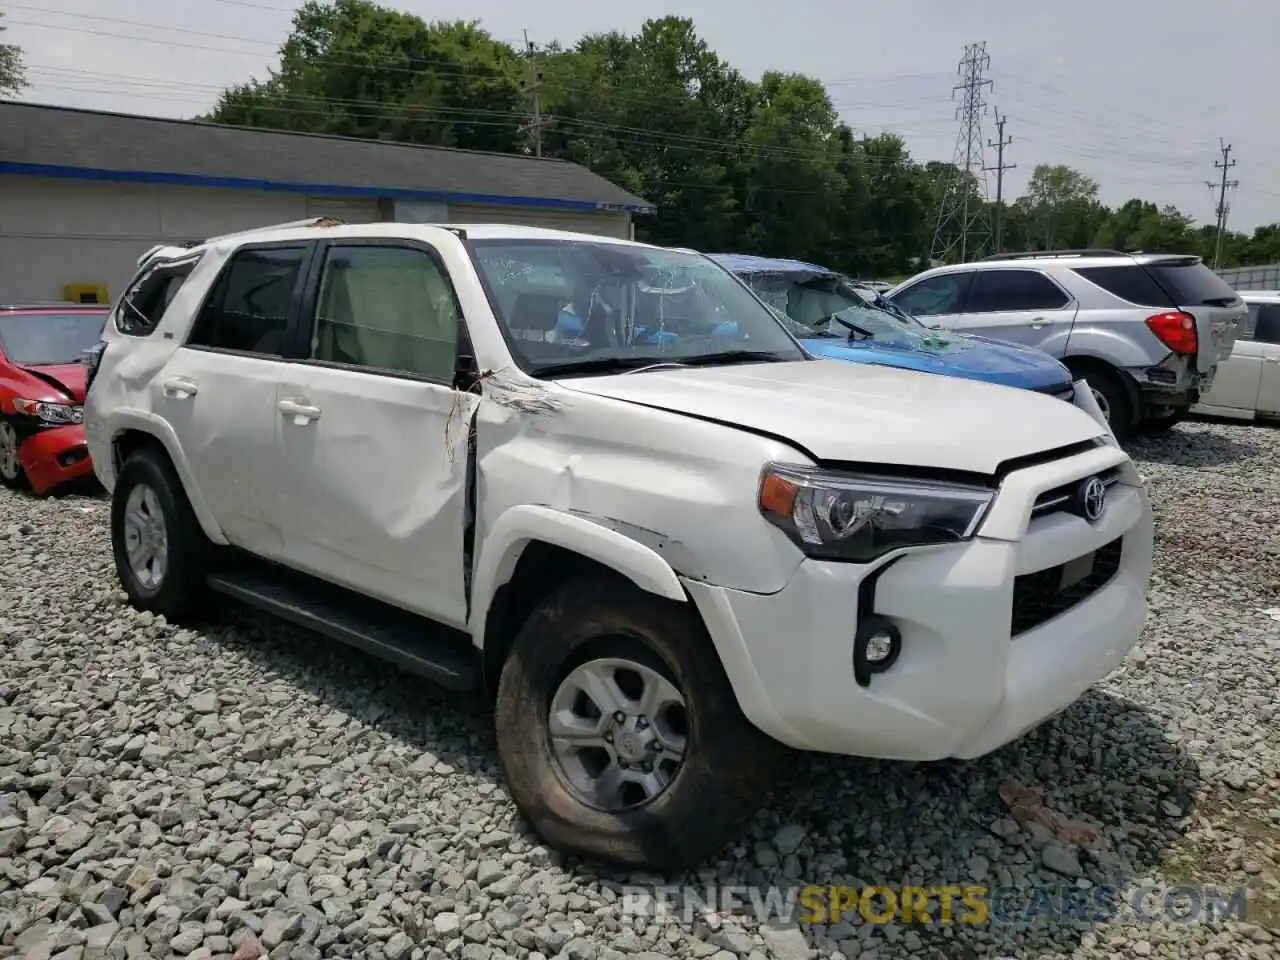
x,y
1253,278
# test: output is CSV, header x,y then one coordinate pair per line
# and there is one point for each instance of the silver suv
x,y
1147,331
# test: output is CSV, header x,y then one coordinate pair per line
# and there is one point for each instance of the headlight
x,y
840,516
61,413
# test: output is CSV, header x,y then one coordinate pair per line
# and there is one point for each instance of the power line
x,y
1225,164
962,223
1000,168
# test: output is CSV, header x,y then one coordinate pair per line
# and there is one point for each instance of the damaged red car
x,y
42,387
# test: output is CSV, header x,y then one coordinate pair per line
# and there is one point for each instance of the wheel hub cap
x,y
618,732
146,538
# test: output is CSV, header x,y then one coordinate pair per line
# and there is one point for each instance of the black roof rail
x,y
1035,254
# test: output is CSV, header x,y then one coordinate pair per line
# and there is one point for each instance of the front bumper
x,y
964,684
54,456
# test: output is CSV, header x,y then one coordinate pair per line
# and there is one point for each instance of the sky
x,y
1137,95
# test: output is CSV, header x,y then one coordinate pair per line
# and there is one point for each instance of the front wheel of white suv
x,y
161,553
619,734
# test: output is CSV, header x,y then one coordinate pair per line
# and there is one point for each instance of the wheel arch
x,y
533,550
157,437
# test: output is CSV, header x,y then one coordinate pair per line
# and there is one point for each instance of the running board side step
x,y
430,650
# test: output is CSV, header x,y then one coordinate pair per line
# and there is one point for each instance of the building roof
x,y
41,140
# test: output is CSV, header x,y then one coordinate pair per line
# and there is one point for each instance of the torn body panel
x,y
661,473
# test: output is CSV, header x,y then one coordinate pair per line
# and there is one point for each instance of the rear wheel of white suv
x,y
161,553
619,734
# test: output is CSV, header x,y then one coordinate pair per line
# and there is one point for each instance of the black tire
x,y
1116,401
181,589
18,480
729,765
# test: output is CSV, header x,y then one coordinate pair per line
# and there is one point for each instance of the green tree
x,y
661,114
1059,205
13,78
353,68
732,164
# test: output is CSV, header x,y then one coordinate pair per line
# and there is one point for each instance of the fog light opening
x,y
876,647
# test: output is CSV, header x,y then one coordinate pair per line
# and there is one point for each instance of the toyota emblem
x,y
1093,498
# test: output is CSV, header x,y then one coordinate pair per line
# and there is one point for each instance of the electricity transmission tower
x,y
1222,186
1000,168
962,219
534,88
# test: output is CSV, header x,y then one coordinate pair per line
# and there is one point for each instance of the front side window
x,y
386,308
997,291
571,303
248,308
34,339
934,296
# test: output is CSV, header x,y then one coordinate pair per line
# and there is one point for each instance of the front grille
x,y
1039,597
1062,499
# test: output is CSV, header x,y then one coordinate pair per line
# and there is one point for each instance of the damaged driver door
x,y
373,434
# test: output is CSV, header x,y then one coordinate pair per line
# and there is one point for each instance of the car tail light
x,y
1176,330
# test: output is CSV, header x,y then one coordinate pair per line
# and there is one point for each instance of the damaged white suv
x,y
667,539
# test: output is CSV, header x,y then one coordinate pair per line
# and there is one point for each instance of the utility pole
x,y
1222,209
1000,168
534,87
959,223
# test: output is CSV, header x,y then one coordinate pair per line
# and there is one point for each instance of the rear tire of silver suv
x,y
619,734
160,551
1112,395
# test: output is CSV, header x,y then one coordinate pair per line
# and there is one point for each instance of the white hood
x,y
862,413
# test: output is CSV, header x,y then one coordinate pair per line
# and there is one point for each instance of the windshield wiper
x,y
852,327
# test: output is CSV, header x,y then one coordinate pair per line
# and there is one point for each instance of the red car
x,y
42,387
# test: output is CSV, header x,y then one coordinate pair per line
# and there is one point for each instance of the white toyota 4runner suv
x,y
668,544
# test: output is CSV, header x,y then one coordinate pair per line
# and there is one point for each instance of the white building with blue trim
x,y
83,192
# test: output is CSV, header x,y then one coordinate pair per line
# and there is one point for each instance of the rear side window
x,y
1267,329
1192,284
144,303
248,308
1006,290
1129,282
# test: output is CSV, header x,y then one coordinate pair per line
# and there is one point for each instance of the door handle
x,y
1272,359
301,412
180,388
1037,323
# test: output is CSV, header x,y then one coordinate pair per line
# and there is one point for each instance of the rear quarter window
x,y
1192,284
1128,282
149,295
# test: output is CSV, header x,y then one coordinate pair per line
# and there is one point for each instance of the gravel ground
x,y
246,790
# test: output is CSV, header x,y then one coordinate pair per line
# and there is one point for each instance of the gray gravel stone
x,y
246,790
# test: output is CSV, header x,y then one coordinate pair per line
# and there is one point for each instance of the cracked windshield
x,y
827,307
581,307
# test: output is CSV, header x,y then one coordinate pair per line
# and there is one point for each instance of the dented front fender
x,y
521,525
